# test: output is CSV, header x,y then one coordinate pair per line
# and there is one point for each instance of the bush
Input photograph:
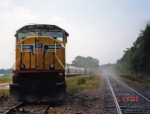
x,y
81,81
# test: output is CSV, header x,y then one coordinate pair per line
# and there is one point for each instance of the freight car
x,y
74,70
39,73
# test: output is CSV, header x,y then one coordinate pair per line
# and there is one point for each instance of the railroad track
x,y
121,99
13,109
27,108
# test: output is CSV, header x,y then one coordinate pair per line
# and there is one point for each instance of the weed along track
x,y
121,99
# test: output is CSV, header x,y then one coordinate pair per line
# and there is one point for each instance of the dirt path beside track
x,y
4,86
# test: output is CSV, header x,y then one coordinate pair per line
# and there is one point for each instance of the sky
x,y
102,29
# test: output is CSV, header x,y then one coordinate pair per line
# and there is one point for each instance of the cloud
x,y
12,17
15,14
5,3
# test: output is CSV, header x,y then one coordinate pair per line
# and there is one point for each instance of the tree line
x,y
5,71
86,62
136,59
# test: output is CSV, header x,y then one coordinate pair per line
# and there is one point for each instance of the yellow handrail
x,y
15,63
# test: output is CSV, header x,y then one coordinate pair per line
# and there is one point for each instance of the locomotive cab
x,y
39,73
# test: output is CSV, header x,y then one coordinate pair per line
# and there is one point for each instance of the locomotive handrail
x,y
15,63
58,58
60,62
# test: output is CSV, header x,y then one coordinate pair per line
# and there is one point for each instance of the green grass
x,y
5,79
4,92
75,84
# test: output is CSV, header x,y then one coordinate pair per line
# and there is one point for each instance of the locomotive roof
x,y
42,26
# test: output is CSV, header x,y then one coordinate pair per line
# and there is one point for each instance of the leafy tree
x,y
87,62
2,71
136,60
5,72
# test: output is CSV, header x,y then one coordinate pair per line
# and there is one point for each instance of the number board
x,y
31,27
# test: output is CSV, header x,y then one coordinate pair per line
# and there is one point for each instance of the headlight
x,y
51,65
22,66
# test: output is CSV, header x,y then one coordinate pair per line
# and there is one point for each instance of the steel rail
x,y
132,90
46,111
114,97
13,108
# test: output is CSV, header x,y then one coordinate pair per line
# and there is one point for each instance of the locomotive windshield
x,y
54,34
23,35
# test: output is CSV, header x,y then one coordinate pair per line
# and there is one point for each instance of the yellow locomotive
x,y
39,73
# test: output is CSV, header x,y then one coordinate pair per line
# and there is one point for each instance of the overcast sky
x,y
102,29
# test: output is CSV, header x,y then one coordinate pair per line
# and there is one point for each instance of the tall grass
x,y
82,82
